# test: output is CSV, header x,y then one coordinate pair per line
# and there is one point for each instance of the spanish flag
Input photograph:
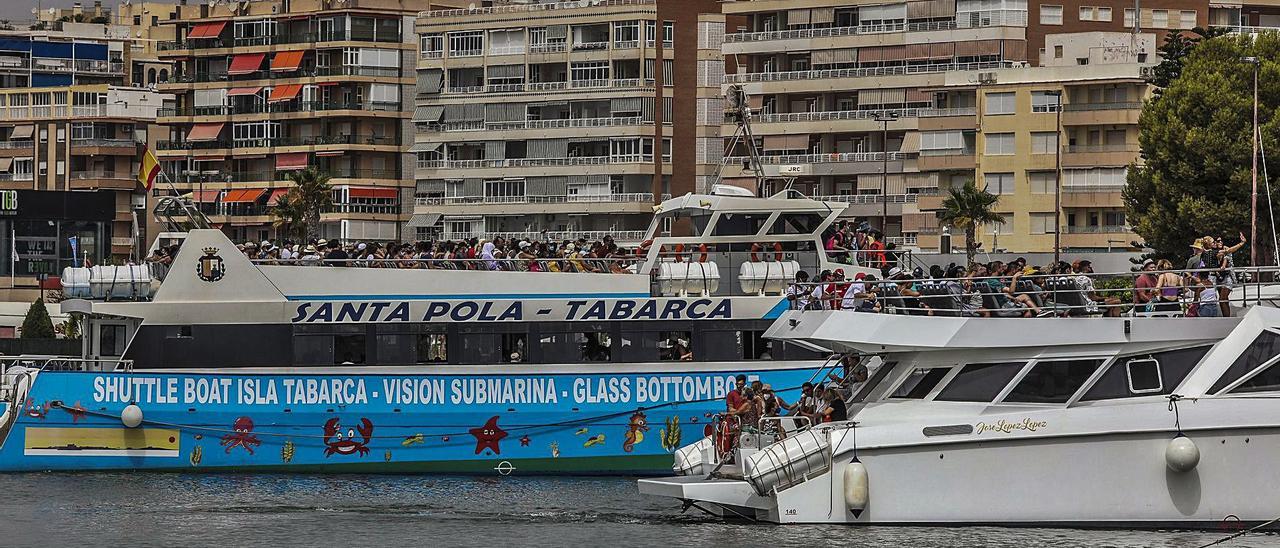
x,y
149,168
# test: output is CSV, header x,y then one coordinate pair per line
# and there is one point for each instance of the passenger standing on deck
x,y
797,293
1168,288
735,403
836,410
1226,278
1144,288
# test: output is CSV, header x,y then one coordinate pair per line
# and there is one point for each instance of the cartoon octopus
x,y
337,443
242,437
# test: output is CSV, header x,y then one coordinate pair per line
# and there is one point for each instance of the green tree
x,y
300,209
1197,147
967,207
1173,53
37,324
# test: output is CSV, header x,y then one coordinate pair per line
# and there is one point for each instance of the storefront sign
x,y
8,202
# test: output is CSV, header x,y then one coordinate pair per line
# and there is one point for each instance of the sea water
x,y
160,509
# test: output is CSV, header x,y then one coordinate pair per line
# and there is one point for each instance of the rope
x,y
1173,406
1241,533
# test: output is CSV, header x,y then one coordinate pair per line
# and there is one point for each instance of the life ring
x,y
702,253
777,251
755,252
679,251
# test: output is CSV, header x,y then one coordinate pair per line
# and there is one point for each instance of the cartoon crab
x,y
37,411
242,437
346,445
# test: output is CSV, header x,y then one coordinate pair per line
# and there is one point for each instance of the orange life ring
x,y
755,250
679,251
777,251
702,250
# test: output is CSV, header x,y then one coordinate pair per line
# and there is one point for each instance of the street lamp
x,y
1057,181
885,118
1253,200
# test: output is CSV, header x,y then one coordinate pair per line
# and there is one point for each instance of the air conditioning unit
x,y
1147,72
138,201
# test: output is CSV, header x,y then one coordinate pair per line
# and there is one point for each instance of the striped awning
x,y
423,220
245,196
287,61
246,63
207,30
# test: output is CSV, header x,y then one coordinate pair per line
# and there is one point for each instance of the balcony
x,y
104,143
69,111
935,159
1096,114
536,162
1099,155
528,8
833,157
991,18
372,140
449,127
548,47
591,46
817,165
537,87
279,176
1098,229
16,145
298,38
94,180
1245,29
834,115
1095,196
280,107
859,72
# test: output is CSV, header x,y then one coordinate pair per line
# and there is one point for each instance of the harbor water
x,y
122,509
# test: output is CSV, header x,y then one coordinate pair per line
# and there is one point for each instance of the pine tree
x,y
37,324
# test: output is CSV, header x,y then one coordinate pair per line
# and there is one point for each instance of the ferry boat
x,y
236,365
1062,421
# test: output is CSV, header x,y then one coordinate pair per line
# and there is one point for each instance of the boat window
x,y
313,349
1261,350
861,393
1053,381
796,223
755,346
675,346
515,347
722,345
394,348
920,383
432,348
1170,368
740,224
980,382
349,349
576,346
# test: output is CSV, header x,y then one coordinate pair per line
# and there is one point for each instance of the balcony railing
x,y
75,143
1246,29
285,106
941,112
102,175
548,47
536,162
1100,229
621,83
295,38
626,44
1088,107
860,72
836,115
964,151
594,45
590,235
11,145
862,199
526,8
515,49
1085,149
1085,189
316,141
65,111
635,197
466,52
449,127
830,158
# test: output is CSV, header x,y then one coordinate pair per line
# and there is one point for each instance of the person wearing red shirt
x,y
735,405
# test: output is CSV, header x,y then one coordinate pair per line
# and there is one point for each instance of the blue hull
x,y
484,423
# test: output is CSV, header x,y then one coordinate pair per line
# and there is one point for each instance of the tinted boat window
x,y
920,383
740,224
432,348
1053,382
980,382
1263,348
876,378
1175,365
796,223
1266,381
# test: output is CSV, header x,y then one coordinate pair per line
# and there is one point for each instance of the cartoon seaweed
x,y
286,451
196,455
670,436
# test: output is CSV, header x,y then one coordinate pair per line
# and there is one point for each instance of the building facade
x,y
888,106
263,89
569,119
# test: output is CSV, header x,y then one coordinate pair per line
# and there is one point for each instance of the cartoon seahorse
x,y
635,431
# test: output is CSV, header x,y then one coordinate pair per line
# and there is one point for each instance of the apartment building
x,y
143,19
569,118
887,106
68,168
266,88
63,54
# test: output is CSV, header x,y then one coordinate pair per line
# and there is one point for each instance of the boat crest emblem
x,y
210,267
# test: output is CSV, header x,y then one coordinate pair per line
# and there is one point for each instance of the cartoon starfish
x,y
488,436
77,412
524,441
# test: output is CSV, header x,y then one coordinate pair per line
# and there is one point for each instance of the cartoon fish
x,y
414,439
444,439
693,419
555,450
597,439
580,432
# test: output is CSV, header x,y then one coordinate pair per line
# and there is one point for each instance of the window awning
x,y
428,113
233,92
423,220
207,30
22,133
292,160
284,93
365,192
287,61
276,194
6,164
331,153
217,158
205,132
205,196
243,196
425,147
246,63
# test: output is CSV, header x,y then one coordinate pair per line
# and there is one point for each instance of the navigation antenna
x,y
739,111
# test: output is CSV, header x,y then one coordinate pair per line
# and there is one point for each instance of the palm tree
x,y
969,207
300,209
288,218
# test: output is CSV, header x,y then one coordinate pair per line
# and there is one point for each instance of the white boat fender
x,y
1181,454
131,416
856,491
